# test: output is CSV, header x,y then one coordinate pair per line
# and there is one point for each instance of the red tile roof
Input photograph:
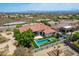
x,y
46,31
37,27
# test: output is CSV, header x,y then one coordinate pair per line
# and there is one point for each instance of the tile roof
x,y
37,27
46,31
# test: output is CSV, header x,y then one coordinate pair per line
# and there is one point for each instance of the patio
x,y
37,37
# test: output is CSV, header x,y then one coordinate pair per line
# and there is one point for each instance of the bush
x,y
45,22
34,44
18,25
76,44
76,34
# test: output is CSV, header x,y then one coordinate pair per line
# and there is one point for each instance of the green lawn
x,y
76,44
34,44
76,34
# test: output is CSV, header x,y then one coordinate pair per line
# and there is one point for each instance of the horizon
x,y
43,7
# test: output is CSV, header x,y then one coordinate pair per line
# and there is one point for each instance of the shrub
x,y
34,44
76,44
76,34
18,25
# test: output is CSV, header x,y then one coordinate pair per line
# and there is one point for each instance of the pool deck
x,y
37,37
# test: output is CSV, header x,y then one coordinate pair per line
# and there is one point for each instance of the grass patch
x,y
76,44
35,45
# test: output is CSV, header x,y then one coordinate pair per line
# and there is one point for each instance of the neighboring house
x,y
14,23
67,29
39,29
65,25
11,25
68,25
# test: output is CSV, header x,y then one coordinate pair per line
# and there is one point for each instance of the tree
x,y
24,38
73,36
76,35
17,34
30,34
45,22
28,37
55,18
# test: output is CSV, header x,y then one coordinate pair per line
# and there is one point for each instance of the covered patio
x,y
67,29
37,37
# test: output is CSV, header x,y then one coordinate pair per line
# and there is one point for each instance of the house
x,y
14,23
68,25
11,25
67,29
39,29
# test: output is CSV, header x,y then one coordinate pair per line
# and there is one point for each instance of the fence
x,y
47,46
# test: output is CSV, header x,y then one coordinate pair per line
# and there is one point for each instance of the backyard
x,y
73,41
44,41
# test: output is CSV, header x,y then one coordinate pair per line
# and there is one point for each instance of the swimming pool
x,y
41,42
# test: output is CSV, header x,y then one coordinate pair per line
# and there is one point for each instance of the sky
x,y
19,7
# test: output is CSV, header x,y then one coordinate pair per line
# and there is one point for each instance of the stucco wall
x,y
50,34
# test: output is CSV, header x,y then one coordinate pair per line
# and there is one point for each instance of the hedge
x,y
35,45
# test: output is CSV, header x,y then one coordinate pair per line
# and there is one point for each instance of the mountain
x,y
39,11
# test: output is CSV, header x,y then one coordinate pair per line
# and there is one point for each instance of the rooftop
x,y
37,27
67,26
14,23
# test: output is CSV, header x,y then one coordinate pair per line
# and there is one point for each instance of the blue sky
x,y
17,7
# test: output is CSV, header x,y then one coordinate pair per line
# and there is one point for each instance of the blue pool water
x,y
41,42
